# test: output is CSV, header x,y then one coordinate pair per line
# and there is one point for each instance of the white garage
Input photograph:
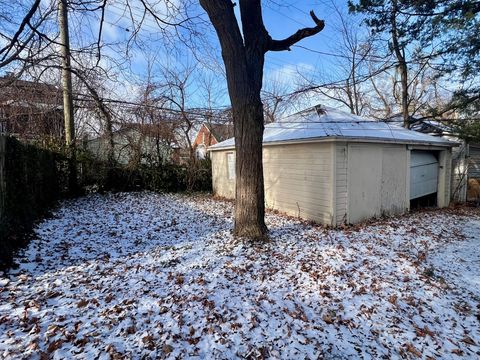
x,y
333,167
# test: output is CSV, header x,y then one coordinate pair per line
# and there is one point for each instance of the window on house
x,y
231,165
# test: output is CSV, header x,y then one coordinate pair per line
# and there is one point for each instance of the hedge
x,y
33,179
30,181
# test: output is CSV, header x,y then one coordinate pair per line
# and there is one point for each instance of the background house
x,y
136,143
210,134
332,167
30,110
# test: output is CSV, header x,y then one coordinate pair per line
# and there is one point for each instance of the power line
x,y
287,16
372,58
338,82
203,112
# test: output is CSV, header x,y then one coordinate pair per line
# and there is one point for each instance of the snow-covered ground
x,y
144,275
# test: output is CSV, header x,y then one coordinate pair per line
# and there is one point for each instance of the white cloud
x,y
289,73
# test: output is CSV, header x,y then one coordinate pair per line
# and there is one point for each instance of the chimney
x,y
320,110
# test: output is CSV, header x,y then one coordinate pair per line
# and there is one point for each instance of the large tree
x,y
390,17
452,26
243,53
448,28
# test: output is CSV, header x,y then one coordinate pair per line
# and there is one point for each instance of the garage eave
x,y
441,144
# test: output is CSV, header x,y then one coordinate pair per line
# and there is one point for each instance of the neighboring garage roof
x,y
323,123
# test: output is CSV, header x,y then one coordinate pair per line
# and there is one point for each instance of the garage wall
x,y
377,181
444,178
341,194
337,182
222,185
298,179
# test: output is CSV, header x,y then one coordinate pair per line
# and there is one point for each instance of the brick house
x,y
30,110
210,134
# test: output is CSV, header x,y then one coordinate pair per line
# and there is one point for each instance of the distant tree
x,y
174,89
452,26
353,64
243,53
390,17
467,122
449,28
275,103
424,93
155,123
21,32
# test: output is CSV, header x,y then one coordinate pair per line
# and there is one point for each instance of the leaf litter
x,y
145,275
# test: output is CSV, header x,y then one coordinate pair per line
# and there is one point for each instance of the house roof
x,y
162,129
424,125
29,94
324,123
221,132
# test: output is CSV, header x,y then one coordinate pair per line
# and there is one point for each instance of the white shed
x,y
332,167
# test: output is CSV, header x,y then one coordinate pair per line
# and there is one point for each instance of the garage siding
x,y
222,185
334,182
341,183
448,177
444,178
298,179
459,174
377,180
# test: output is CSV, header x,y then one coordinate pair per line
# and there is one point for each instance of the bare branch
x,y
99,40
285,44
26,20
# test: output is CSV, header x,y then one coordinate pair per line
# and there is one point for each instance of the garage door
x,y
423,174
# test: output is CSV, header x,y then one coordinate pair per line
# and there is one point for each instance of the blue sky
x,y
280,20
284,21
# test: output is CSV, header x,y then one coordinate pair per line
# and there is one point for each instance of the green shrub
x,y
148,175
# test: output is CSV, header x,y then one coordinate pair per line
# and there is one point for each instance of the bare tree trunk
x,y
249,190
404,82
243,54
354,82
67,94
402,66
348,91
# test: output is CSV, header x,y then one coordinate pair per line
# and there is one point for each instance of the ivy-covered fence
x,y
32,179
30,182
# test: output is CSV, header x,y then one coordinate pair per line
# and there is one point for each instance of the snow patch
x,y
145,275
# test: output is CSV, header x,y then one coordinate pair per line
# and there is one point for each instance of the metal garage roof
x,y
322,123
